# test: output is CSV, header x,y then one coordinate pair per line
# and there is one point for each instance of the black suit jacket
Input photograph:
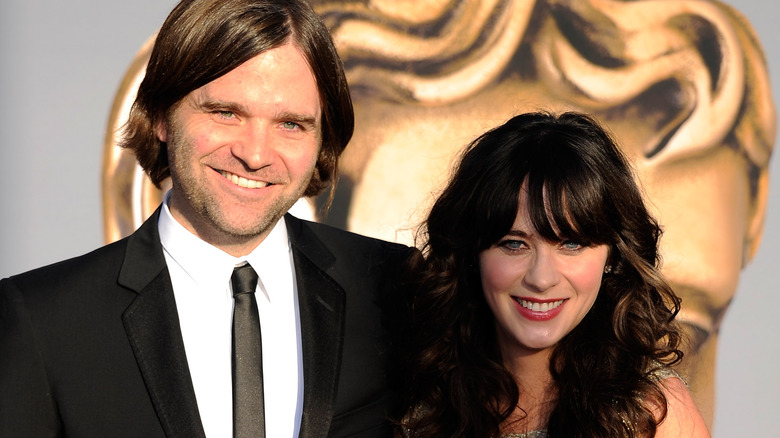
x,y
91,347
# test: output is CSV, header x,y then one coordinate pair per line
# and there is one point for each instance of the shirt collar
x,y
210,267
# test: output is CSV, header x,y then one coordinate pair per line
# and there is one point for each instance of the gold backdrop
x,y
682,84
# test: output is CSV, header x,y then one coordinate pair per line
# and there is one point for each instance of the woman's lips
x,y
539,310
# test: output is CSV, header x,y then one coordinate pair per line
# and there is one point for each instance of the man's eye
x,y
289,125
226,114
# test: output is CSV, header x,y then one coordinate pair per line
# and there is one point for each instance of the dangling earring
x,y
608,269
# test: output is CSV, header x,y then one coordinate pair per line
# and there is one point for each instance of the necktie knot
x,y
244,279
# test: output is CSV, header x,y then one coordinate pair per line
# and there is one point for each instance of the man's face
x,y
242,149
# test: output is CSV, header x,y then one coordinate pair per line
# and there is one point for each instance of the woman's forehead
x,y
541,210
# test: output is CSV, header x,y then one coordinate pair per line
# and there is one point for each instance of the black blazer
x,y
91,347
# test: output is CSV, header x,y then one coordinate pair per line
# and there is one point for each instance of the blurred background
x,y
62,63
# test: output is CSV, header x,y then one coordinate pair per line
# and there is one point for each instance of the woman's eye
x,y
512,245
572,245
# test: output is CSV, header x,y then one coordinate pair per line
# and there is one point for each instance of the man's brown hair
x,y
201,40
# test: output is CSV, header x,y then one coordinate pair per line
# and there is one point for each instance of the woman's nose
x,y
542,273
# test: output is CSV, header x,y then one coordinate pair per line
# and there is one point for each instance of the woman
x,y
539,309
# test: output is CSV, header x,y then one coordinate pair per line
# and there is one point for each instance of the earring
x,y
608,269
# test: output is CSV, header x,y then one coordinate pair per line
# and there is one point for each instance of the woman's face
x,y
538,290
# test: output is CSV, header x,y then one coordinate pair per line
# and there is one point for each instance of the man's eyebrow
x,y
308,120
209,104
220,105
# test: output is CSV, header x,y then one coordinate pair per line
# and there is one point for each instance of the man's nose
x,y
254,145
542,273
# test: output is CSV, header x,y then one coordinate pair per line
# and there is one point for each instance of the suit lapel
x,y
322,304
152,325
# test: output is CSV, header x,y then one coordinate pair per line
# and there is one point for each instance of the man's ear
x,y
161,131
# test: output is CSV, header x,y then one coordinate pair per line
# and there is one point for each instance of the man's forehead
x,y
280,76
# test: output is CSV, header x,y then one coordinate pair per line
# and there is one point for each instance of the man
x,y
245,106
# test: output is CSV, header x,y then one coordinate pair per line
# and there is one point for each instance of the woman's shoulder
x,y
661,372
682,415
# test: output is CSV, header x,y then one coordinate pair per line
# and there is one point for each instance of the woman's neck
x,y
531,370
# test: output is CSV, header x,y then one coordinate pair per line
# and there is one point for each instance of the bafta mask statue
x,y
683,86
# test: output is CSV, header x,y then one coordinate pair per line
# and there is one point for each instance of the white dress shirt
x,y
200,274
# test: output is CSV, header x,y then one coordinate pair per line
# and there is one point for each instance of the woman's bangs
x,y
567,207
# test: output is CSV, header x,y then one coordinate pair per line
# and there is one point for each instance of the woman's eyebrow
x,y
517,233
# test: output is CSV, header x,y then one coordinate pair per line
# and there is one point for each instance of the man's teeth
x,y
540,307
243,182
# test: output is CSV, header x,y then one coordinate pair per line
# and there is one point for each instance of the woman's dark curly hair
x,y
579,186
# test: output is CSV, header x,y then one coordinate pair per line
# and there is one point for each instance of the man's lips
x,y
243,182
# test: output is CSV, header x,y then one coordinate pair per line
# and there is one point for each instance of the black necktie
x,y
248,407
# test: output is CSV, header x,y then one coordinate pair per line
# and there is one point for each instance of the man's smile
x,y
243,182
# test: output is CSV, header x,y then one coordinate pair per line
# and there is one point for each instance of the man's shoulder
x,y
336,237
103,262
99,265
350,251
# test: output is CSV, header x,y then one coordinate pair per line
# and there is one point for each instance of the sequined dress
x,y
659,375
533,434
